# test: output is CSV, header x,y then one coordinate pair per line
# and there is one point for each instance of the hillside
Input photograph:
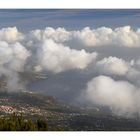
x,y
59,115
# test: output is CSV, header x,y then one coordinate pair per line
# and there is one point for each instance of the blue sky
x,y
29,19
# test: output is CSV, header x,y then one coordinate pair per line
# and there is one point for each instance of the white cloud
x,y
103,36
13,56
51,50
37,51
120,96
58,58
58,35
122,37
10,35
12,61
113,65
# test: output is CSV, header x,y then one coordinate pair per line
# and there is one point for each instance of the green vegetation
x,y
18,123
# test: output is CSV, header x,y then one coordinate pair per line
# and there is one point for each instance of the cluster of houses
x,y
7,109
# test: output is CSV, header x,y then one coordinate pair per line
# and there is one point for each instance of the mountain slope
x,y
58,114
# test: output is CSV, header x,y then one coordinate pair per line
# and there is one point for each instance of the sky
x,y
29,19
89,56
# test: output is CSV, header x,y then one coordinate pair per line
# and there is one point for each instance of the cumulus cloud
x,y
103,36
120,96
118,67
59,35
38,51
52,50
122,37
10,35
12,61
113,65
58,58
